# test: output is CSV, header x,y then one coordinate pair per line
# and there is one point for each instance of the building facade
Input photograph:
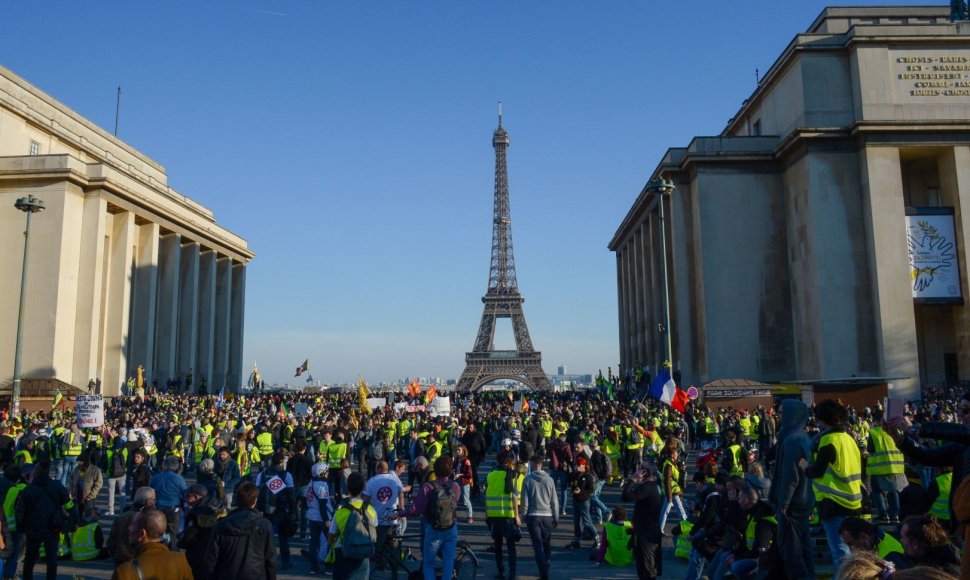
x,y
821,235
123,270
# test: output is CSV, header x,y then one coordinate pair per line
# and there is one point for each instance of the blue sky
x,y
350,144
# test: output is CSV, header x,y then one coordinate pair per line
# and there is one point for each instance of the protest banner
x,y
440,406
301,409
90,411
376,402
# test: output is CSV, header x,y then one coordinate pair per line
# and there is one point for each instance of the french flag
x,y
664,389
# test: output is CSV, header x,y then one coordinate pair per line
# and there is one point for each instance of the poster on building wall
x,y
934,270
90,411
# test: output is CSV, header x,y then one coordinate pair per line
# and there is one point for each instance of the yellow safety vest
x,y
629,438
498,504
941,507
8,505
888,545
682,549
709,426
618,552
336,453
434,450
735,451
63,547
674,477
85,542
546,426
264,441
242,458
72,444
750,531
611,448
887,459
842,480
745,426
755,423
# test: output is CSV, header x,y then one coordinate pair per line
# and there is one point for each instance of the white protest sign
x,y
90,411
440,406
400,406
376,403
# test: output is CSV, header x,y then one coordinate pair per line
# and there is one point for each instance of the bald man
x,y
153,557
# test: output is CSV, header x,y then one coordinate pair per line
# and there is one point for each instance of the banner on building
x,y
90,411
934,270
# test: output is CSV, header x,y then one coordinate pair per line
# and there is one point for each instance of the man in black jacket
x,y
583,485
644,489
41,517
241,547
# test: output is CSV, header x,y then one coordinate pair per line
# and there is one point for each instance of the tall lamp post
x,y
663,187
29,205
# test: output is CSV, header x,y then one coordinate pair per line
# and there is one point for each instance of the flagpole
x,y
663,187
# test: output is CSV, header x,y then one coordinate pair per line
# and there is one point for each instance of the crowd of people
x,y
206,487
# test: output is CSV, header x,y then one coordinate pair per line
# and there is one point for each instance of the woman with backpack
x,y
437,503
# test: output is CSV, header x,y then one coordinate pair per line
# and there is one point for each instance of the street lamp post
x,y
663,187
29,205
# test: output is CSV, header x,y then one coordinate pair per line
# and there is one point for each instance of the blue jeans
x,y
540,531
466,499
582,521
717,568
596,504
837,545
70,464
561,478
435,541
743,569
696,566
18,543
677,501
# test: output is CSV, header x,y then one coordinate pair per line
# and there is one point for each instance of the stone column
x,y
144,302
223,308
166,318
236,324
119,267
90,278
207,317
188,312
955,190
636,243
892,299
621,312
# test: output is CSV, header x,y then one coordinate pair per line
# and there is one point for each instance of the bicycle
x,y
400,564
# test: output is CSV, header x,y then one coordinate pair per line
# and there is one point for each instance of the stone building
x,y
123,270
820,237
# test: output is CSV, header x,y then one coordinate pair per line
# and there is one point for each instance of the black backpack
x,y
442,505
375,451
118,467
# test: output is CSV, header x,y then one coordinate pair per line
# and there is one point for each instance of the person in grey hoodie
x,y
541,507
791,492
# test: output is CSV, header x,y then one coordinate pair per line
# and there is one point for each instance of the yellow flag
x,y
362,394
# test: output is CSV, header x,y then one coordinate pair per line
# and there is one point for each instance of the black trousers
x,y
502,532
33,552
647,556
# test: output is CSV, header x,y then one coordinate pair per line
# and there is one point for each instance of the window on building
x,y
34,148
933,196
756,127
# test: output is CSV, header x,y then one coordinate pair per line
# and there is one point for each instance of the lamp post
x,y
29,205
663,187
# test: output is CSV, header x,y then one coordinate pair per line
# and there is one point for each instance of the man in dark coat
x,y
791,492
40,517
472,439
644,489
241,547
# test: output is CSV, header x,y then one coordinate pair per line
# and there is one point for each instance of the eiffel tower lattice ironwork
x,y
484,364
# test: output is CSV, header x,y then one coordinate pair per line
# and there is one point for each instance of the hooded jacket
x,y
241,548
791,488
539,496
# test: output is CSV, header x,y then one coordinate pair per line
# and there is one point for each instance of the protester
x,y
345,566
152,558
540,504
241,547
41,514
119,543
319,514
502,492
791,493
644,490
437,504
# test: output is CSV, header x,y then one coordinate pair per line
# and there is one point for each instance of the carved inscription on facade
x,y
934,75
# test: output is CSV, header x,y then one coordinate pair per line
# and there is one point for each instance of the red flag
x,y
679,402
431,394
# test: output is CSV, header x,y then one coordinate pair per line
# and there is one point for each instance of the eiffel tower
x,y
484,364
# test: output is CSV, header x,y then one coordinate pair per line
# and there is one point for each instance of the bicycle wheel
x,y
466,565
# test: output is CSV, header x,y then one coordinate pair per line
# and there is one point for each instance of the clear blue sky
x,y
350,144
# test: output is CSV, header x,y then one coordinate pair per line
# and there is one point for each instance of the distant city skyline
x,y
350,144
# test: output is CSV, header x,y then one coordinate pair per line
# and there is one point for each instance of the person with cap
x,y
319,514
300,466
504,452
502,491
582,484
277,501
201,513
152,558
86,484
170,490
